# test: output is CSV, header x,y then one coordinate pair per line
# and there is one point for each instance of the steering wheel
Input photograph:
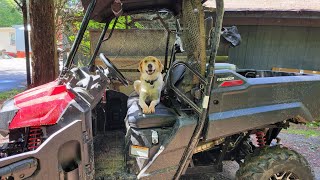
x,y
113,70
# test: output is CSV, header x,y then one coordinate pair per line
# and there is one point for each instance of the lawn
x,y
307,133
9,94
308,130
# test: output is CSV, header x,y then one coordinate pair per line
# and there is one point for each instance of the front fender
x,y
47,153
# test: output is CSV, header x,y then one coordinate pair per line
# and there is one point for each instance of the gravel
x,y
309,147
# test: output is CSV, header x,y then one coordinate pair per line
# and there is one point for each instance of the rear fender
x,y
226,123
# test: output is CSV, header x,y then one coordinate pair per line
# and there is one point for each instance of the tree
x,y
85,46
43,42
9,13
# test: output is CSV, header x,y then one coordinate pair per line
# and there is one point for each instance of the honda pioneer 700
x,y
62,130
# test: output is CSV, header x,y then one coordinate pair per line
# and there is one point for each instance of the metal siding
x,y
264,47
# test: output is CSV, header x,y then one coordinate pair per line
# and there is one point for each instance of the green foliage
x,y
84,48
121,24
307,133
313,124
10,14
9,94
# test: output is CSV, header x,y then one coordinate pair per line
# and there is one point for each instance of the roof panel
x,y
103,11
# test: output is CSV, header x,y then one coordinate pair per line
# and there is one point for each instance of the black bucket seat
x,y
163,116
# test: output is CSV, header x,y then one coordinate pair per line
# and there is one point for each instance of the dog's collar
x,y
151,82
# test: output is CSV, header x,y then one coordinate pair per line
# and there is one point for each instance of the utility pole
x,y
24,8
26,39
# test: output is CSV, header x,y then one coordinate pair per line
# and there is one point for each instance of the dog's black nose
x,y
149,66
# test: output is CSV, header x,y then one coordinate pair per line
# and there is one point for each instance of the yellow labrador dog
x,y
150,84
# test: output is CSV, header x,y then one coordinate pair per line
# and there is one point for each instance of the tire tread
x,y
264,159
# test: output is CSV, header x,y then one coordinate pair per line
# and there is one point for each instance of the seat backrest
x,y
176,76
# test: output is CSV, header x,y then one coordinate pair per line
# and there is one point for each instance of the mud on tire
x,y
269,161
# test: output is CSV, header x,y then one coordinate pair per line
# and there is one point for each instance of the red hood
x,y
42,105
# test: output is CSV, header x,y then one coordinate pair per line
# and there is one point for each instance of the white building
x,y
8,39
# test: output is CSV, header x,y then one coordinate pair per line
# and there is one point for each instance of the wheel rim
x,y
286,175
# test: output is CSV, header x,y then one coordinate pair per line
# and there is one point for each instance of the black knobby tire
x,y
263,164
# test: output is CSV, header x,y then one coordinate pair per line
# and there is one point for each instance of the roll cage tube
x,y
179,93
75,46
95,53
101,40
185,160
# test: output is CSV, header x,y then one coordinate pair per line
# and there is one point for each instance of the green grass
x,y
313,124
307,133
9,94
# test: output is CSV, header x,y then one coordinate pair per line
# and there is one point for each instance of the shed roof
x,y
268,5
270,12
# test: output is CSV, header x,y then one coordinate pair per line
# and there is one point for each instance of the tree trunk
x,y
43,42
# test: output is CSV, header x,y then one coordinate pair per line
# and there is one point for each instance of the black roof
x,y
103,12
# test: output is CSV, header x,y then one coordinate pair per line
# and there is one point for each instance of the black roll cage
x,y
207,81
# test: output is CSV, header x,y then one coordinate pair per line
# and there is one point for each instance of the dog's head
x,y
150,65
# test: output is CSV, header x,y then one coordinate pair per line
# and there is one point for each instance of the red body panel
x,y
42,105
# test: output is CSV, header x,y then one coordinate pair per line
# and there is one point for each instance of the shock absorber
x,y
261,140
34,138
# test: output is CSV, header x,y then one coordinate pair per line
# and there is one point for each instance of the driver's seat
x,y
163,117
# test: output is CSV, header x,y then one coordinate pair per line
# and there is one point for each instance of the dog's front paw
x,y
145,110
152,109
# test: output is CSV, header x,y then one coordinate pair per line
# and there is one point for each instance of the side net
x,y
193,39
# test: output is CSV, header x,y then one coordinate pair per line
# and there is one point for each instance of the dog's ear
x,y
140,66
160,65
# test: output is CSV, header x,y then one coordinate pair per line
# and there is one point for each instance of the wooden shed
x,y
275,33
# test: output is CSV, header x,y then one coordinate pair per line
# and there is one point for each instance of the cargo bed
x,y
249,99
